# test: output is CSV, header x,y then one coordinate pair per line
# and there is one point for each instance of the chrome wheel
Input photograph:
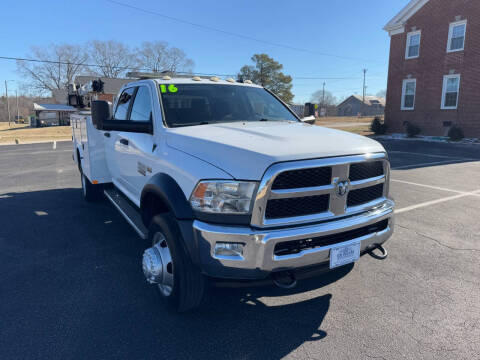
x,y
166,284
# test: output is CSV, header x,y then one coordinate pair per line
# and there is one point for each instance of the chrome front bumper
x,y
258,258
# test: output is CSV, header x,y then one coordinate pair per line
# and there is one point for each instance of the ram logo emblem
x,y
342,188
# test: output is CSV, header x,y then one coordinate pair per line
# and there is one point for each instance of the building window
x,y
408,94
413,45
451,90
456,36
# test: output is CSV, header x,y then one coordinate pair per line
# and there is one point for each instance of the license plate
x,y
343,255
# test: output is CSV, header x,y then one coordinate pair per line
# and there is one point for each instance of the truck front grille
x,y
362,171
365,195
311,190
297,246
303,178
285,208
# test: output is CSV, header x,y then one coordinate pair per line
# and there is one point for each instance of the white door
x,y
137,156
115,147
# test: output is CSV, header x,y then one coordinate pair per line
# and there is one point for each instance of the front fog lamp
x,y
229,249
223,197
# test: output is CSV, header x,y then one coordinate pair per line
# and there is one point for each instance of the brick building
x,y
434,69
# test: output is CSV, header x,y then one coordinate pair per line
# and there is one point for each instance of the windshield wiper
x,y
266,119
192,124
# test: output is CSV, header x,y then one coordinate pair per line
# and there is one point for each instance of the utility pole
x,y
323,100
8,103
18,112
364,88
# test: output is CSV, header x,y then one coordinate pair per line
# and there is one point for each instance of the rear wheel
x,y
179,281
90,192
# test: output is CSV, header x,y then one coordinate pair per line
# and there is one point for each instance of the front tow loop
x,y
383,252
285,279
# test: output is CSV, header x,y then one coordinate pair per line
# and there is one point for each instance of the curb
x,y
434,139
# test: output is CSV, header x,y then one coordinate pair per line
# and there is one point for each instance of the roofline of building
x,y
397,24
360,98
344,101
55,107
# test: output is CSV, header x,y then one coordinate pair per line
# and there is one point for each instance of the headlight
x,y
223,197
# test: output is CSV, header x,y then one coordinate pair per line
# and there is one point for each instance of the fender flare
x,y
166,188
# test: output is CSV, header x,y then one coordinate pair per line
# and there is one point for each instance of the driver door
x,y
115,147
136,153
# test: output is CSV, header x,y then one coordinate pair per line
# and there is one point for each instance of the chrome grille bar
x,y
360,184
301,192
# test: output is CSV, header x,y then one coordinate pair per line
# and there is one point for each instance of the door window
x,y
142,106
123,104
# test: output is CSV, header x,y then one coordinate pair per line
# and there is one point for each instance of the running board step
x,y
129,212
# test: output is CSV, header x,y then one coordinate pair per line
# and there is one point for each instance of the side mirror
x,y
309,120
101,112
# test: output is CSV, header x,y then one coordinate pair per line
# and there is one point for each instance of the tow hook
x,y
285,279
383,252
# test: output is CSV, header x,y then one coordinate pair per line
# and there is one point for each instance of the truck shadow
x,y
238,323
72,284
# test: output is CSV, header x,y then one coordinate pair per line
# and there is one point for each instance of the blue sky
x,y
349,28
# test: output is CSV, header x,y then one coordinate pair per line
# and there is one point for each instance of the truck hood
x,y
246,150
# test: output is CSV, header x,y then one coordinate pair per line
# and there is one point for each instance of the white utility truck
x,y
229,185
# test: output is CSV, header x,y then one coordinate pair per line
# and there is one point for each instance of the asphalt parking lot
x,y
71,284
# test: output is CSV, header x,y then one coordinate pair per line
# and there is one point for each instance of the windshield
x,y
198,104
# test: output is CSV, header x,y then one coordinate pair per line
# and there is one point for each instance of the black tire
x,y
190,287
90,192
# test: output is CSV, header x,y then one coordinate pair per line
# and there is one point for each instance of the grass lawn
x,y
355,125
332,120
24,134
360,130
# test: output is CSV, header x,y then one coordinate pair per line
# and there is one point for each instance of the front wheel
x,y
168,265
90,192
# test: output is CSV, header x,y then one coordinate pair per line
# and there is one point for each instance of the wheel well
x,y
152,205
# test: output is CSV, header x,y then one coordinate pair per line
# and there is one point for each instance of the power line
x,y
364,89
326,78
210,28
96,65
142,69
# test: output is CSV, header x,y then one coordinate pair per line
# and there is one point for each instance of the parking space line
x,y
426,164
38,152
430,186
434,156
438,201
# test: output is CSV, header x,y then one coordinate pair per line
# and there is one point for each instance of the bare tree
x,y
113,57
158,56
177,60
25,105
58,66
153,55
318,97
382,93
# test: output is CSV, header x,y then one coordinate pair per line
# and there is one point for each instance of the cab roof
x,y
201,80
166,77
